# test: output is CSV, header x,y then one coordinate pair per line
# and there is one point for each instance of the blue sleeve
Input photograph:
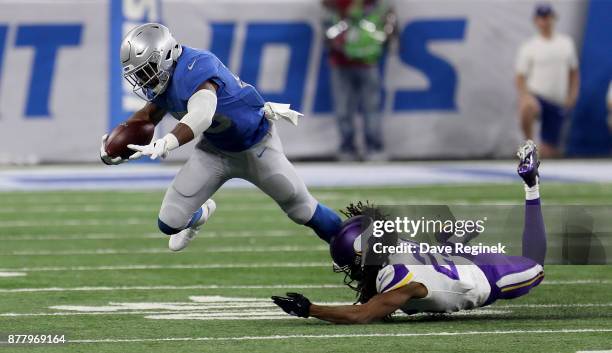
x,y
200,69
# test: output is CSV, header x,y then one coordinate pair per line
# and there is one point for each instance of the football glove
x,y
156,149
294,304
106,159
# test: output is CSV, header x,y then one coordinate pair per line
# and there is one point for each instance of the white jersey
x,y
546,63
453,282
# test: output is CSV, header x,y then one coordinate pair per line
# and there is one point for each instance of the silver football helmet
x,y
148,55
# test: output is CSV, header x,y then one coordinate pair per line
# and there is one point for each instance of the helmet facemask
x,y
353,274
149,54
361,267
148,80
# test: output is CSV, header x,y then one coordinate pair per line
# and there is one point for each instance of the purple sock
x,y
534,232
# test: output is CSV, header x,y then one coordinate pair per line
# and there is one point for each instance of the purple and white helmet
x,y
345,248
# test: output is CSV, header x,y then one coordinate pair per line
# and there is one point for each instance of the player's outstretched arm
x,y
377,308
201,108
150,112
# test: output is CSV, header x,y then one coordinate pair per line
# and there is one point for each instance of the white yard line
x,y
251,310
354,335
122,221
12,274
170,267
148,288
85,236
272,312
156,199
572,305
579,281
96,208
214,286
72,223
212,249
203,234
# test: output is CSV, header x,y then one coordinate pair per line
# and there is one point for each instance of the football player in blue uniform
x,y
239,139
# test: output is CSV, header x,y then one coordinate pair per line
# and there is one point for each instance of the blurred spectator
x,y
609,99
547,80
357,32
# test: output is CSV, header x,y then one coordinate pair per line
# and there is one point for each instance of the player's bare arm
x,y
376,309
150,112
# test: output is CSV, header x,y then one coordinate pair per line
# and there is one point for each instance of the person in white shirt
x,y
547,80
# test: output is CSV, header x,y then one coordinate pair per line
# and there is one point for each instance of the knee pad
x,y
301,208
166,229
172,220
292,197
301,212
281,189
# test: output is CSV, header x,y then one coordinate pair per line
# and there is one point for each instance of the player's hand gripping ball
x,y
114,148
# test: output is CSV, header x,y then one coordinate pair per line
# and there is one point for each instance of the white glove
x,y
156,149
106,159
275,111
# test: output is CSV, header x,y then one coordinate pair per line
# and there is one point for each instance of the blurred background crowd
x,y
377,80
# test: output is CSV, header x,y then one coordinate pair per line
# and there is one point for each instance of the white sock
x,y
532,193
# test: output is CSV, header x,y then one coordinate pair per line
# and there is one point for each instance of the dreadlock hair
x,y
365,275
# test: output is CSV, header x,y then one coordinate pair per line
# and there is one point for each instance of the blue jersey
x,y
239,121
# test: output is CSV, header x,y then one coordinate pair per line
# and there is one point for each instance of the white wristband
x,y
171,142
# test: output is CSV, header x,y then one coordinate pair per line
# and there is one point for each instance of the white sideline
x,y
314,174
214,286
354,335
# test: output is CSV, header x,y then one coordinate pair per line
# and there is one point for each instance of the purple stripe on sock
x,y
533,202
540,274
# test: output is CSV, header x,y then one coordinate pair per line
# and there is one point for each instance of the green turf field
x,y
97,271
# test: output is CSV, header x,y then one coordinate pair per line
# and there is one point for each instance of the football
x,y
137,132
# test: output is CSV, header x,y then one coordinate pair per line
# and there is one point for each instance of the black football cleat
x,y
529,163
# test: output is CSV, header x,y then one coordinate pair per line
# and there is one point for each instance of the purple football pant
x,y
514,276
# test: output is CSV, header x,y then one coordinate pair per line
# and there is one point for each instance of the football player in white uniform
x,y
437,283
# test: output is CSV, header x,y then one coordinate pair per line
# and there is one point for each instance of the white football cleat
x,y
180,240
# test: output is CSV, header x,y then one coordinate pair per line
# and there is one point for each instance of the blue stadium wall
x,y
448,82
